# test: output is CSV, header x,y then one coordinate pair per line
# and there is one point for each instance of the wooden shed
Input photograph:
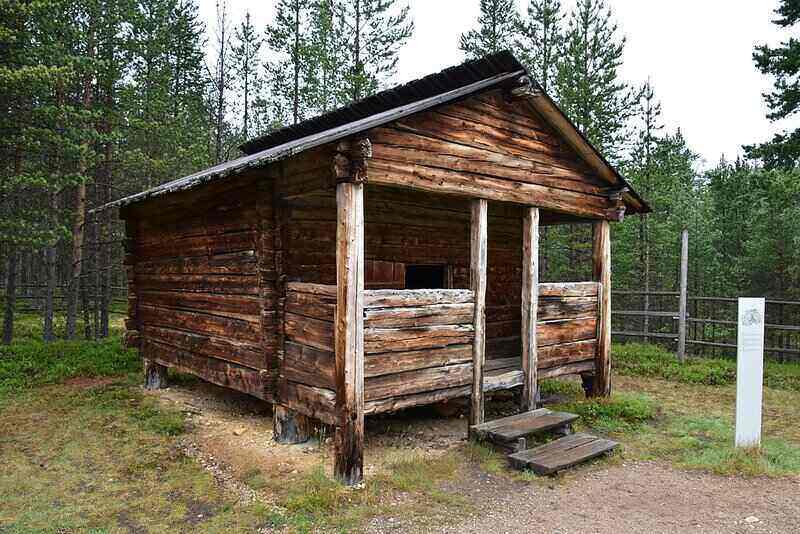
x,y
381,256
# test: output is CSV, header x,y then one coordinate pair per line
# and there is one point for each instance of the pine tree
x,y
371,32
247,69
288,38
590,91
498,25
326,61
541,40
221,73
783,63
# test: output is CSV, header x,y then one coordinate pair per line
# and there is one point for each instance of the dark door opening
x,y
425,276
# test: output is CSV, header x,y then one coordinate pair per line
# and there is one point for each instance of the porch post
x,y
349,332
477,280
530,305
601,272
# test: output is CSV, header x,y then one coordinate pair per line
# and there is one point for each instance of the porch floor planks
x,y
562,453
511,428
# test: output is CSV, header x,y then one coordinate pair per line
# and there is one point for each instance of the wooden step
x,y
510,429
561,453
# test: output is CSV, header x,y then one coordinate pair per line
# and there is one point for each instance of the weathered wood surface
x,y
290,427
530,306
155,375
349,333
317,403
484,147
391,298
398,362
561,453
601,271
478,271
511,428
202,279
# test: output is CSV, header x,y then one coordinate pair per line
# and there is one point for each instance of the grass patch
x,y
30,363
104,459
639,359
706,443
485,456
623,412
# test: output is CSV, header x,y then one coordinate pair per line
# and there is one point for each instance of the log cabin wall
x,y
307,373
417,346
405,227
203,275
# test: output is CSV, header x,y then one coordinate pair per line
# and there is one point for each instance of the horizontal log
x,y
392,404
397,362
309,305
198,246
313,289
378,340
225,284
569,369
506,378
216,371
308,331
236,305
248,355
394,298
438,180
235,263
569,289
566,353
436,314
227,327
318,403
308,365
566,330
153,230
551,308
410,382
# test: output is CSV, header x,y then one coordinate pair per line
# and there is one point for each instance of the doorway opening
x,y
426,276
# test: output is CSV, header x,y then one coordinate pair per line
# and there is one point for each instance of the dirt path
x,y
233,434
632,498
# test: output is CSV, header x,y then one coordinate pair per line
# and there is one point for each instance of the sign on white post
x,y
749,372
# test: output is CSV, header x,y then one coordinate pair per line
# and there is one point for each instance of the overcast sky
x,y
697,54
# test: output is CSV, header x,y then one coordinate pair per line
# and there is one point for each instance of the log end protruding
x,y
350,160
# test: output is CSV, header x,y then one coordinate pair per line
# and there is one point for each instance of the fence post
x,y
683,296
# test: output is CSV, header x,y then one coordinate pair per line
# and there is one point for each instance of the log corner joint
x,y
350,160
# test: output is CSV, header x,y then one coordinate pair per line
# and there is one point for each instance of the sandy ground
x,y
232,435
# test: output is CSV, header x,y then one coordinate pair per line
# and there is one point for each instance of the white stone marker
x,y
749,372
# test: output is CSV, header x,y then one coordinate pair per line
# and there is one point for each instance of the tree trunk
x,y
11,296
50,280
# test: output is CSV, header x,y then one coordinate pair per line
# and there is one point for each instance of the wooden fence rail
x,y
702,324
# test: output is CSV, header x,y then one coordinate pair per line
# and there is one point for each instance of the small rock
x,y
239,431
751,519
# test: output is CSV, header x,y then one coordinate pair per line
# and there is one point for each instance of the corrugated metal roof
x,y
446,86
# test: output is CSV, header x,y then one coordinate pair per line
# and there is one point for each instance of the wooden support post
x,y
349,332
683,295
155,375
288,426
601,272
477,276
530,305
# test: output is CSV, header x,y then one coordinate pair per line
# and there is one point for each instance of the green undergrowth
x,y
639,359
30,363
623,412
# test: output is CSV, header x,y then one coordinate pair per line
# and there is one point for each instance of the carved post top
x,y
350,160
525,88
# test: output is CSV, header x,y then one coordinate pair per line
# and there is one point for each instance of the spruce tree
x,y
498,26
540,41
221,73
783,63
326,63
371,32
247,70
590,91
